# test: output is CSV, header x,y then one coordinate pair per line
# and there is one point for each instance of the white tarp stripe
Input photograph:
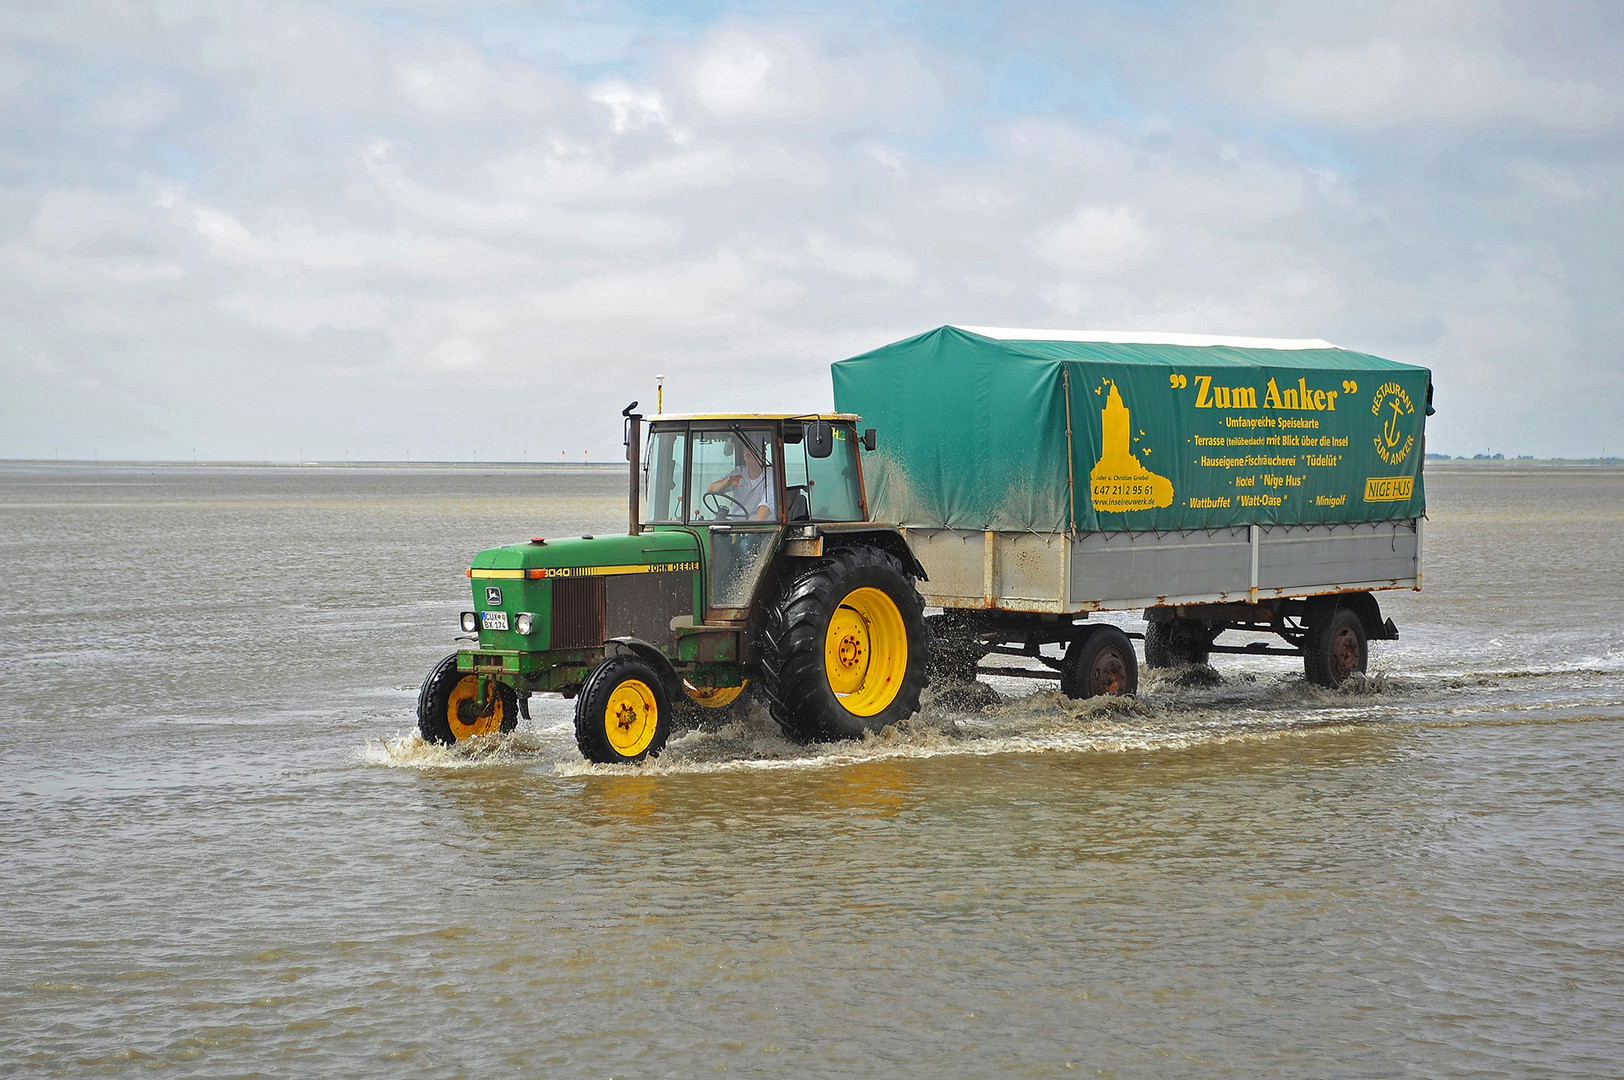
x,y
1129,337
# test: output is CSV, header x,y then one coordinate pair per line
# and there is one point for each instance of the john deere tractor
x,y
749,562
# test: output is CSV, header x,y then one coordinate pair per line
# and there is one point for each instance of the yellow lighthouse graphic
x,y
1117,481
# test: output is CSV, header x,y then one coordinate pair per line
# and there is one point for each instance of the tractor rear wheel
x,y
844,649
447,712
622,714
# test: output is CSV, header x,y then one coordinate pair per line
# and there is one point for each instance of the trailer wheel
x,y
446,712
844,649
623,714
1335,648
1100,664
1172,644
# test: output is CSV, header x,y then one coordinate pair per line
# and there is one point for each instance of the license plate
x,y
493,620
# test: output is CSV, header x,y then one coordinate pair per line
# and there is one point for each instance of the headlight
x,y
470,622
523,622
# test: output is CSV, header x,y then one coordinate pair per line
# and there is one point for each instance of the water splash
x,y
1177,708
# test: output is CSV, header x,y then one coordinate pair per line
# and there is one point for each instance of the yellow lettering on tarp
x,y
1392,405
1301,397
1118,481
1208,396
1389,488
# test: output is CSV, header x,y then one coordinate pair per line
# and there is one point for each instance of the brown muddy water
x,y
224,852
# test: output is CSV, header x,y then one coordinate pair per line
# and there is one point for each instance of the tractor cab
x,y
747,485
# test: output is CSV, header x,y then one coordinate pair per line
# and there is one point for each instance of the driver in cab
x,y
747,491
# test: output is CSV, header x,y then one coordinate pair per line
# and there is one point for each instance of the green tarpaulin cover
x,y
1048,431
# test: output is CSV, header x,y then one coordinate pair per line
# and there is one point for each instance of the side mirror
x,y
820,439
869,440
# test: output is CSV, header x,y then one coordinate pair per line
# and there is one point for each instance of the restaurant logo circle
x,y
1392,406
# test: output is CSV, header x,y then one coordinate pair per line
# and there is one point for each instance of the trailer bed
x,y
1110,571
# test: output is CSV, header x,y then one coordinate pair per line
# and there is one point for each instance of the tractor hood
x,y
586,556
579,592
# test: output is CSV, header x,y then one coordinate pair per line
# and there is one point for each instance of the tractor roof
x,y
737,417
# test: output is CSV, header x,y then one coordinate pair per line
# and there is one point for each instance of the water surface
x,y
227,854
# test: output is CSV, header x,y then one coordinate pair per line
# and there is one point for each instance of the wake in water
x,y
1176,708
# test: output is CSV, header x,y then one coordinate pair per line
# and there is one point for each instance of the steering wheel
x,y
713,503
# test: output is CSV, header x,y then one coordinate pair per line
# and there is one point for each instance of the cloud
x,y
718,290
789,73
136,107
307,250
1095,240
861,264
1383,82
299,315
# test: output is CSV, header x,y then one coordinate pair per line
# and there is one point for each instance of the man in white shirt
x,y
748,489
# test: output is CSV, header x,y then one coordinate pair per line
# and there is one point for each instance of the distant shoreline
x,y
595,466
1502,462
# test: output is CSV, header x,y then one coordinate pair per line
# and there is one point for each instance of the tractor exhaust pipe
x,y
634,446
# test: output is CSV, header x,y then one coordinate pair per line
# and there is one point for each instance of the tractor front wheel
x,y
448,706
623,714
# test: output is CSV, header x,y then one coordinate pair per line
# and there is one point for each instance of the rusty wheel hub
x,y
1109,674
1344,653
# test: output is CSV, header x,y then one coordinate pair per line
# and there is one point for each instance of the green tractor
x,y
750,563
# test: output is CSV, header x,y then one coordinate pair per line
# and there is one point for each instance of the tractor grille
x,y
577,613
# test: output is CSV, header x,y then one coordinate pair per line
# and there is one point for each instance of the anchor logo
x,y
1394,443
1392,432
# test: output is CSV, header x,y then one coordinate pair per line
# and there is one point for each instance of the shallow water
x,y
227,854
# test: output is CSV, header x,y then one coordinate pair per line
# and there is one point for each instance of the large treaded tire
x,y
1171,644
1101,664
1335,648
437,721
796,644
623,713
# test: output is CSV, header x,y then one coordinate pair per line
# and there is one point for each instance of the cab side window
x,y
823,489
663,476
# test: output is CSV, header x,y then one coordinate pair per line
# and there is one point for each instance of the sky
x,y
475,231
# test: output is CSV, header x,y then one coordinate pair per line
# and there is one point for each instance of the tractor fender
x,y
653,656
887,540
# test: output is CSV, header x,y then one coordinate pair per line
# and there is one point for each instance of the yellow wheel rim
x,y
467,689
865,651
713,697
630,718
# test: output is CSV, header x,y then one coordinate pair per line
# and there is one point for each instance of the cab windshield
x,y
722,473
733,474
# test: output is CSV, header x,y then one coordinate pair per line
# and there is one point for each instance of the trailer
x,y
1216,483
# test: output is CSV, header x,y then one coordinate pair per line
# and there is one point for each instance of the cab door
x,y
735,495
